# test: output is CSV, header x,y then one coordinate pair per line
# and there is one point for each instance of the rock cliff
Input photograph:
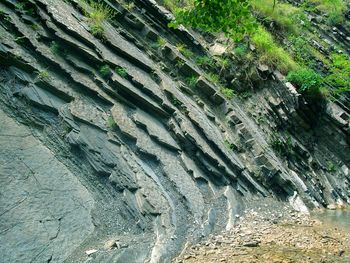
x,y
121,141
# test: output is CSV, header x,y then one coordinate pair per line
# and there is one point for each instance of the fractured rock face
x,y
45,211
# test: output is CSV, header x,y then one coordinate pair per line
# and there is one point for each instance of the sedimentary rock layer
x,y
103,140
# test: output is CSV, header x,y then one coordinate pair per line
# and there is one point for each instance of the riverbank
x,y
274,234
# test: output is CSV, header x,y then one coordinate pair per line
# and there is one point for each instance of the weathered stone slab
x,y
155,129
45,210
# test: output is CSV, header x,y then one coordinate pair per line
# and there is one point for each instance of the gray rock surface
x,y
147,160
45,212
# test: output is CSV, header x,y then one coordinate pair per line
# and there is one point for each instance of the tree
x,y
233,17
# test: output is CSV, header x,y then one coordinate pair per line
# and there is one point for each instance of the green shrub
x,y
20,6
302,51
180,63
161,41
172,5
230,145
96,30
182,48
191,81
228,93
215,78
306,80
205,61
234,18
331,167
43,74
245,95
339,76
334,19
241,50
25,6
104,71
35,27
20,40
224,63
55,48
281,144
175,101
130,6
121,72
111,122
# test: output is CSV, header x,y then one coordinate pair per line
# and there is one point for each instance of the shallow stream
x,y
338,217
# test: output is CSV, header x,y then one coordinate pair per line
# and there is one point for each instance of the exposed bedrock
x,y
104,145
45,210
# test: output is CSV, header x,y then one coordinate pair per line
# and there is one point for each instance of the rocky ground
x,y
273,234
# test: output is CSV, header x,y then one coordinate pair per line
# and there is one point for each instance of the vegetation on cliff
x,y
283,33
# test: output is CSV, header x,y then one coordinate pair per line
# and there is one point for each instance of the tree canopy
x,y
232,17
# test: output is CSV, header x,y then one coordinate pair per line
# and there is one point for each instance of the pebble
x,y
91,251
251,244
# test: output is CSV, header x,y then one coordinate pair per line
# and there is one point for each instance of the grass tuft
x,y
191,81
161,41
182,48
104,71
240,50
270,53
111,122
43,74
172,5
121,72
205,61
215,78
55,48
98,13
228,93
283,14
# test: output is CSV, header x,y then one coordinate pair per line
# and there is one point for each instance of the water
x,y
339,217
